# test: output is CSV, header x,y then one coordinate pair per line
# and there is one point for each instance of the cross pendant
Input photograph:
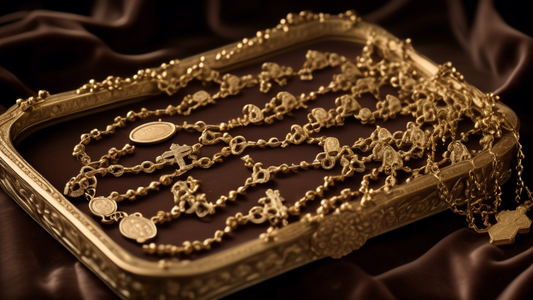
x,y
179,152
510,222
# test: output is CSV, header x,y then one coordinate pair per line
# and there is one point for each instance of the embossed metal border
x,y
234,269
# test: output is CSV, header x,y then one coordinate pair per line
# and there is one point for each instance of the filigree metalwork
x,y
435,108
345,231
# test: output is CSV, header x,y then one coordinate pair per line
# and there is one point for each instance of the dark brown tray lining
x,y
49,152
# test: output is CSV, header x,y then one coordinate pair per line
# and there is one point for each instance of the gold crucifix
x,y
510,222
177,153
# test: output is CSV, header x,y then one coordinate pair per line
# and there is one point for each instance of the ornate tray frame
x,y
228,271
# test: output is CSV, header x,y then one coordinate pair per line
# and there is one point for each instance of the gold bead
x,y
141,191
310,195
197,245
219,234
174,250
150,249
130,194
160,249
154,185
232,195
231,222
131,116
207,244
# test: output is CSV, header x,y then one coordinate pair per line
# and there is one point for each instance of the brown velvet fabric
x,y
59,48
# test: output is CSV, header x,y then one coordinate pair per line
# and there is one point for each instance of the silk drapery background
x,y
44,45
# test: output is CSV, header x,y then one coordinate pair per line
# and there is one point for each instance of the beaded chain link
x,y
436,104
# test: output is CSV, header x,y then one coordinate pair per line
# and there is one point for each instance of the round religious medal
x,y
153,132
102,206
138,228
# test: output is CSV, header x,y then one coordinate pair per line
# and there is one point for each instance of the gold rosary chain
x,y
416,98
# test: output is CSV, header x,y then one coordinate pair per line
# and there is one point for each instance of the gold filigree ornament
x,y
437,105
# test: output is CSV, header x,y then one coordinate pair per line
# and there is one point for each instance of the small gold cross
x,y
510,222
176,153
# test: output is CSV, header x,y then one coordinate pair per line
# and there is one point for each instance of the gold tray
x,y
233,269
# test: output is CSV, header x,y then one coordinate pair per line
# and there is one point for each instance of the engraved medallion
x,y
153,132
138,228
510,222
102,206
